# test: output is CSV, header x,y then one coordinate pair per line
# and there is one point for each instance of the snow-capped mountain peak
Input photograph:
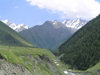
x,y
5,21
22,25
16,27
55,22
75,23
58,24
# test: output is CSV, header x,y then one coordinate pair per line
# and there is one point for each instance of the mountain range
x,y
46,35
52,34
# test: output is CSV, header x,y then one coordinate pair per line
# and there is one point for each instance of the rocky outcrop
x,y
12,69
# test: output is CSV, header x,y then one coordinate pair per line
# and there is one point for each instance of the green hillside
x,y
82,50
10,37
37,61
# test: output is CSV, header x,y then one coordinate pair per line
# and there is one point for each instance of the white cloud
x,y
70,8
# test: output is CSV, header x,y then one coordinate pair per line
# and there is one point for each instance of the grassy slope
x,y
9,36
19,55
96,67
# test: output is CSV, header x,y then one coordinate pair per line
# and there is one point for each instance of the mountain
x,y
49,35
82,50
18,28
75,23
11,37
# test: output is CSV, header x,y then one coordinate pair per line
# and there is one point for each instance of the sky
x,y
36,12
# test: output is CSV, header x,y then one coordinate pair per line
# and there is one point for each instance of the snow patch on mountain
x,y
16,27
75,23
58,24
72,25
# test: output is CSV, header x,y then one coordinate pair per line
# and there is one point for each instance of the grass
x,y
92,71
96,67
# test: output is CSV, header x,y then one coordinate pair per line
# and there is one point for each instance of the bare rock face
x,y
13,69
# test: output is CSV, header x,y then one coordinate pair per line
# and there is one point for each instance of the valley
x,y
49,37
53,48
20,56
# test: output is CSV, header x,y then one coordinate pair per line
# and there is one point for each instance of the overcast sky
x,y
35,12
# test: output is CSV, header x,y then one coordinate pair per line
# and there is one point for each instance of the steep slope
x,y
10,37
49,35
18,28
82,50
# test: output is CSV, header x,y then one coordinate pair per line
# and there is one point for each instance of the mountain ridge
x,y
46,35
